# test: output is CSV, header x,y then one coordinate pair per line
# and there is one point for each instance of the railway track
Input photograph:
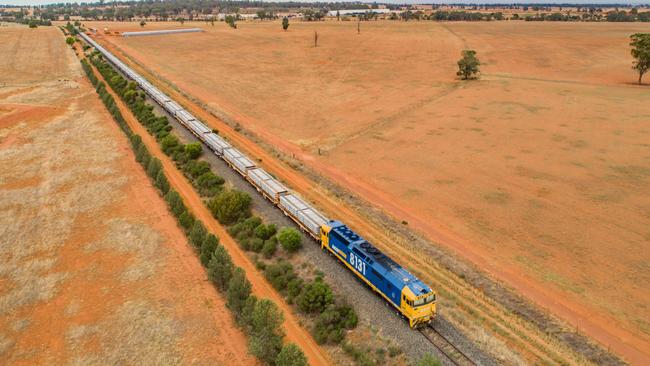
x,y
455,355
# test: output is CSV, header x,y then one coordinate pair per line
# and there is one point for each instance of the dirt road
x,y
261,288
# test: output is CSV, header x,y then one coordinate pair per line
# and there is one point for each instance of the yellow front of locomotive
x,y
420,310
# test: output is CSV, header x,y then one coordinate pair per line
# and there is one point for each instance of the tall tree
x,y
640,43
468,65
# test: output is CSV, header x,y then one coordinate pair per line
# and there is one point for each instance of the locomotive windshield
x,y
425,300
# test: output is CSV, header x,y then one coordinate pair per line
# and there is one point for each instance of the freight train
x,y
406,293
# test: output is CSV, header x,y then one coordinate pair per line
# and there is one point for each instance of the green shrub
x,y
291,355
429,360
193,150
294,288
269,249
315,297
220,268
195,168
255,244
265,341
246,318
279,274
168,143
209,184
162,183
141,154
290,239
175,203
332,322
186,220
207,248
247,226
197,234
230,206
239,289
270,246
265,232
154,167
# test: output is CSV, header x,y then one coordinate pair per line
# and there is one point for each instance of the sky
x,y
44,2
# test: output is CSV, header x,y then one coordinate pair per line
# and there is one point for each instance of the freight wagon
x,y
411,297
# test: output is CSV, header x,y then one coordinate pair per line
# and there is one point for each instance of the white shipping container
x,y
216,143
258,176
172,107
231,154
184,116
200,128
243,163
273,188
312,220
293,204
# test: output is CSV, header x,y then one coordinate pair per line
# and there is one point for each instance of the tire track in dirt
x,y
295,333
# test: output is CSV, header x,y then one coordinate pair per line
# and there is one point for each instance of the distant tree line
x,y
190,9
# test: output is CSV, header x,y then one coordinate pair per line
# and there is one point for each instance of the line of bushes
x,y
259,318
232,208
313,298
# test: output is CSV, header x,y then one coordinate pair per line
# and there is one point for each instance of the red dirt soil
x,y
93,267
561,212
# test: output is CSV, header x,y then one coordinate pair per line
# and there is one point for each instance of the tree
x,y
197,234
265,232
266,335
315,297
290,239
175,202
220,268
230,20
69,40
33,24
640,43
186,220
291,355
285,23
154,167
193,150
239,289
230,206
468,65
270,246
142,23
207,248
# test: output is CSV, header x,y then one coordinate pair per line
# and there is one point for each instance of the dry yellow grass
x,y
93,269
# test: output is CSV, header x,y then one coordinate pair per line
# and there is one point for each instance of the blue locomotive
x,y
410,296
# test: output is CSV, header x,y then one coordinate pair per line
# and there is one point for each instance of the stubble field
x,y
93,269
539,172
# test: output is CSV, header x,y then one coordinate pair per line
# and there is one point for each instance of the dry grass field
x,y
93,269
539,172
